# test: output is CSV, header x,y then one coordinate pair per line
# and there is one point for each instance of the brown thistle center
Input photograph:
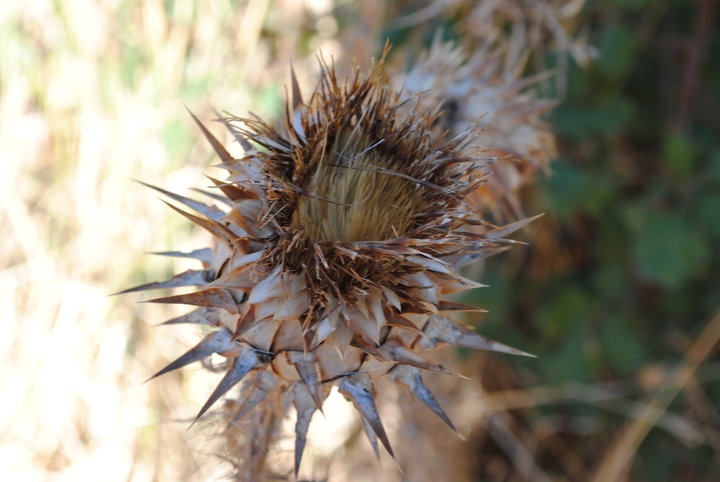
x,y
355,195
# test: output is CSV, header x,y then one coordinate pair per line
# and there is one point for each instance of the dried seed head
x,y
335,249
353,184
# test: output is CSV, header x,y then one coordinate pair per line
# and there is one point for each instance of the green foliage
x,y
633,208
564,313
606,118
706,211
667,250
678,154
622,345
572,190
618,51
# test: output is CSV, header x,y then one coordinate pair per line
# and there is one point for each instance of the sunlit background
x,y
616,292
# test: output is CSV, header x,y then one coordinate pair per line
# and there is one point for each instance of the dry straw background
x,y
91,97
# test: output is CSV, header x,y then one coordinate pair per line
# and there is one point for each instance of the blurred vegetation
x,y
621,275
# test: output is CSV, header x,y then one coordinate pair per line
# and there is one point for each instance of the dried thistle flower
x,y
524,26
332,256
482,90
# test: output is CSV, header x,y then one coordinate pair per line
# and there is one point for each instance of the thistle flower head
x,y
358,194
333,254
482,90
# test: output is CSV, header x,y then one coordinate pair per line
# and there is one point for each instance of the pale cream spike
x,y
265,310
503,231
358,389
442,330
424,288
395,350
305,365
459,284
452,306
234,192
411,378
204,255
244,215
372,438
191,277
215,228
216,145
296,93
256,392
473,253
305,407
211,212
322,330
239,136
217,342
210,297
212,195
246,361
239,278
200,316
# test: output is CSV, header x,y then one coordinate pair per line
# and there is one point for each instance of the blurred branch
x,y
521,457
617,461
695,56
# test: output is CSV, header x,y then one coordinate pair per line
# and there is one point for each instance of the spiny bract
x,y
335,245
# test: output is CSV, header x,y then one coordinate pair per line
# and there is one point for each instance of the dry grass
x,y
92,95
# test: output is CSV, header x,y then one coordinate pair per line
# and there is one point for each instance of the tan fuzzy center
x,y
355,194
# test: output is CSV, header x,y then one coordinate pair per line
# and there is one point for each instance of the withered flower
x,y
482,90
335,248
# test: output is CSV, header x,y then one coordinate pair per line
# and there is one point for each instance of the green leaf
x,y
713,170
564,313
570,361
621,346
668,250
708,205
606,118
609,279
573,190
618,49
679,154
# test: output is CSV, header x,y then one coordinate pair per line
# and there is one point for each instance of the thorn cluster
x,y
336,243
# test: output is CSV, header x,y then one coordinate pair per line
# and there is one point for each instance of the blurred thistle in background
x,y
478,92
615,292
